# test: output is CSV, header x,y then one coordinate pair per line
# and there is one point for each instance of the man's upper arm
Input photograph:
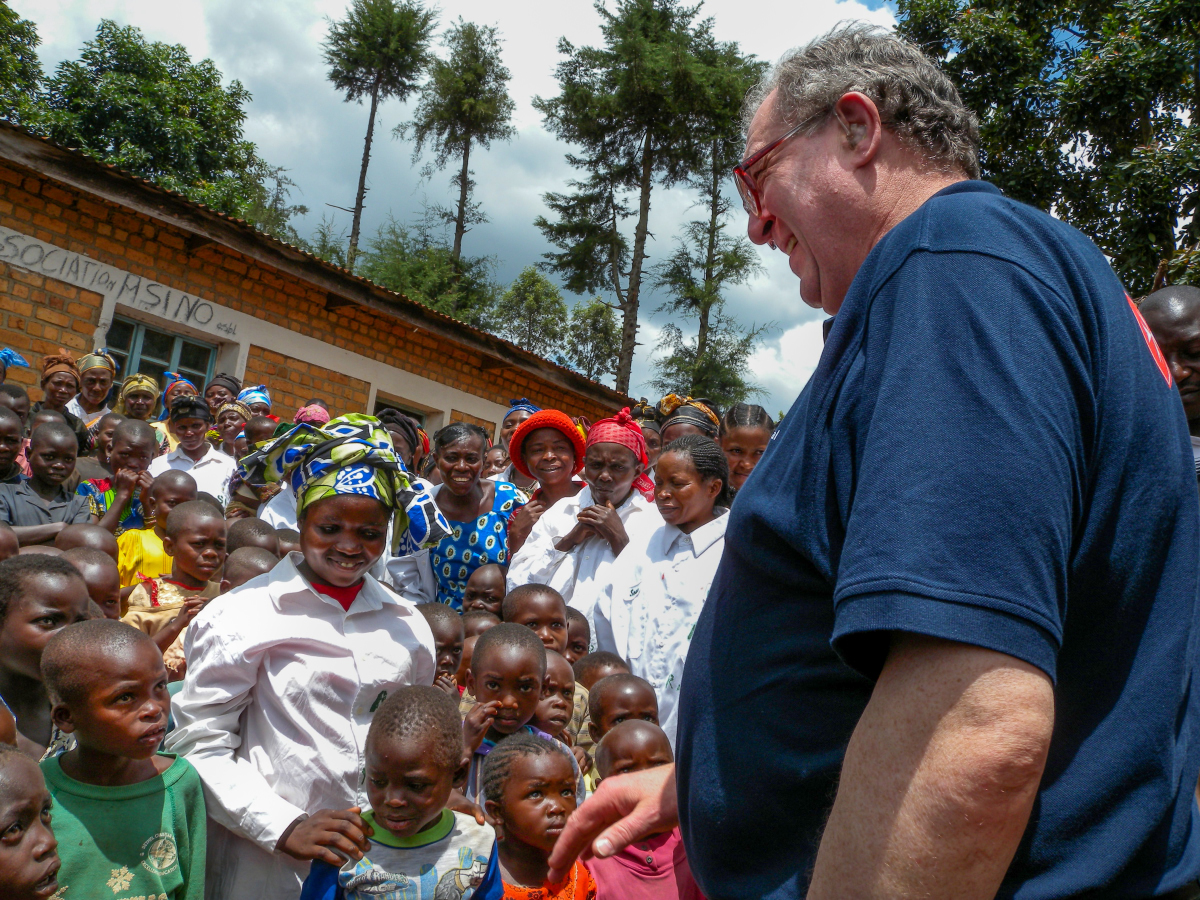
x,y
968,464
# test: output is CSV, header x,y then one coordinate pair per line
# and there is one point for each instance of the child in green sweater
x,y
127,818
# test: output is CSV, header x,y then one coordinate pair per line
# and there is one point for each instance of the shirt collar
x,y
209,455
285,580
26,487
703,537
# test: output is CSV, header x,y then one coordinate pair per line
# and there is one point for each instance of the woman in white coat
x,y
658,592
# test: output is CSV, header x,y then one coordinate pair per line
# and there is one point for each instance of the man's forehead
x,y
764,124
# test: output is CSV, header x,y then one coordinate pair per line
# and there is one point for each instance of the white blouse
x,y
584,574
655,601
274,712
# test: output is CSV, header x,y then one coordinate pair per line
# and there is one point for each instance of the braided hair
x,y
497,766
709,460
460,431
746,415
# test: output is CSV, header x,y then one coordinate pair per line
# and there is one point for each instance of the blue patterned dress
x,y
473,544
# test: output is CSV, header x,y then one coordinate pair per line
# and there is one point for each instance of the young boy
x,y
529,795
11,443
252,533
85,535
244,564
618,698
289,540
140,552
553,713
477,622
29,860
598,665
506,677
39,508
656,867
100,573
418,847
127,818
447,628
115,502
579,636
162,607
485,590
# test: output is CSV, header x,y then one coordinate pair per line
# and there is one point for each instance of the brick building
x,y
91,256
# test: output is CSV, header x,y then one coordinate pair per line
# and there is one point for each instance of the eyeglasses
x,y
746,185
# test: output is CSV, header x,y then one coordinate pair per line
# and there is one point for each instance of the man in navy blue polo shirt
x,y
950,649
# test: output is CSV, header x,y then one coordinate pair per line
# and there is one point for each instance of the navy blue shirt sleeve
x,y
967,462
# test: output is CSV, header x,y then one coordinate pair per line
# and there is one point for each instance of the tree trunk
x,y
352,250
630,307
460,223
710,261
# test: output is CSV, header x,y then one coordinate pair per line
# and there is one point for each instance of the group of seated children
x,y
350,743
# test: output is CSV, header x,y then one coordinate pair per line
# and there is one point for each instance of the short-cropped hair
x,y
64,677
17,571
186,514
506,634
508,608
420,711
439,612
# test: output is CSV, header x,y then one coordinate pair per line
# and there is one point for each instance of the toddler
x,y
485,589
477,622
598,665
618,698
289,541
140,552
447,628
530,792
244,564
418,848
29,862
252,533
126,816
100,573
579,636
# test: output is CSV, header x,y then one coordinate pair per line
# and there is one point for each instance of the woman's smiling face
x,y
341,537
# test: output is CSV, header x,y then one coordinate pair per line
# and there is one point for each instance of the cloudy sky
x,y
299,121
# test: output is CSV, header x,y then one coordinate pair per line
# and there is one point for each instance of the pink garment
x,y
313,415
653,869
23,459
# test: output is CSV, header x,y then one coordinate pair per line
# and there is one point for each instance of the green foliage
x,y
1089,108
328,243
20,71
410,262
269,209
639,107
146,107
593,338
532,313
721,372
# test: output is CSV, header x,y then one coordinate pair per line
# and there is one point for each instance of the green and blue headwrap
x,y
351,454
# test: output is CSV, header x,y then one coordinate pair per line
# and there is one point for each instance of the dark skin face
x,y
549,456
538,798
258,432
461,465
601,673
341,537
179,389
743,449
546,614
677,430
448,642
407,786
216,396
553,713
119,719
10,443
190,433
630,701
104,438
138,404
29,860
495,461
60,388
229,424
629,748
50,603
485,590
126,454
654,444
1176,328
477,626
93,391
104,586
164,497
197,551
259,408
510,424
512,678
51,460
19,405
578,639
464,665
683,497
609,470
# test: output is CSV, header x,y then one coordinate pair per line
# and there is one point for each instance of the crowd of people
x,y
328,655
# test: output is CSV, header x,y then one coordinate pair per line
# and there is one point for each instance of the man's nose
x,y
759,228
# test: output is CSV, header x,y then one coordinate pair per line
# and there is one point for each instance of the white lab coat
x,y
656,597
274,712
584,574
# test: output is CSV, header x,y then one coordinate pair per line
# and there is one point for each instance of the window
x,y
140,348
382,402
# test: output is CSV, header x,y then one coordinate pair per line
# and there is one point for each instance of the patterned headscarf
x,y
135,383
100,359
521,403
351,454
257,394
313,415
238,407
622,429
54,363
10,358
546,418
173,381
692,411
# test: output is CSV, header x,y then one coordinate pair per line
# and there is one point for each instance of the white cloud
x,y
783,365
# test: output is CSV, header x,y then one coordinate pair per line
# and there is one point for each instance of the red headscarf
x,y
624,430
545,418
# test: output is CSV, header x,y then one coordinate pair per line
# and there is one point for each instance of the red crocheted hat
x,y
546,418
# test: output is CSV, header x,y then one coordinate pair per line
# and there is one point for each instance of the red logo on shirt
x,y
1159,359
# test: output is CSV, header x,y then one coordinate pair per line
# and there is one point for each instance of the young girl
x,y
286,671
659,589
575,542
745,432
477,509
549,448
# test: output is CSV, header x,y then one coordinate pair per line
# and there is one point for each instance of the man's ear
x,y
169,546
60,715
860,125
594,731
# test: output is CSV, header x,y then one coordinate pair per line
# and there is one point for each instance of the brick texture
x,y
40,314
293,381
458,416
110,233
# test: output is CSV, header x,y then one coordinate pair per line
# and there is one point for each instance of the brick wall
x,y
115,235
293,381
458,416
38,315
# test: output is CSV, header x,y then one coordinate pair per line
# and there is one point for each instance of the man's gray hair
x,y
916,101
